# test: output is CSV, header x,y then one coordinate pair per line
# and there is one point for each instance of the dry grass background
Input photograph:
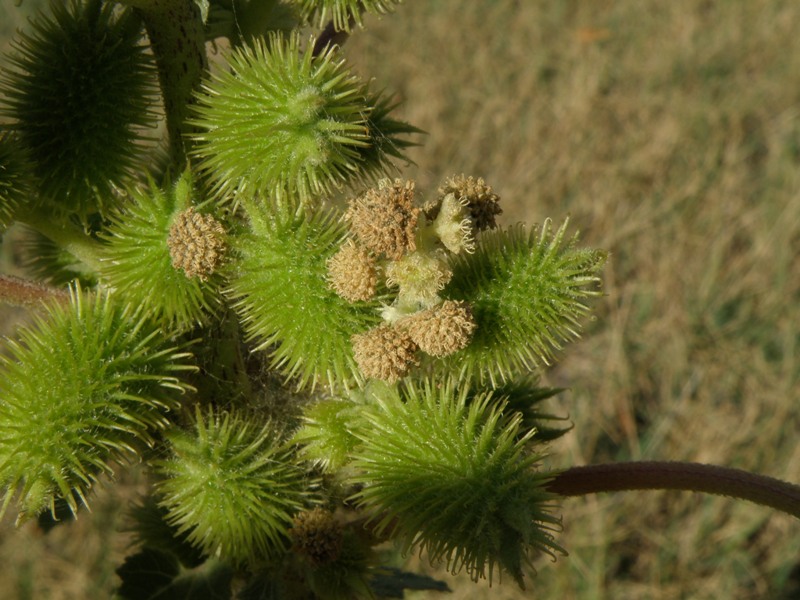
x,y
670,133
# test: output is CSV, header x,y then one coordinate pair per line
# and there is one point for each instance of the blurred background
x,y
669,132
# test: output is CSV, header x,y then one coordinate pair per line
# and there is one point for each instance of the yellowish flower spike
x,y
317,536
453,225
420,277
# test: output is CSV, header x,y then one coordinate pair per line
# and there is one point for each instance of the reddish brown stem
x,y
21,292
694,477
330,36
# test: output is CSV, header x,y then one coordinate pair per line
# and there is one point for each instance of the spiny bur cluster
x,y
230,488
426,443
80,93
301,382
164,254
94,379
308,121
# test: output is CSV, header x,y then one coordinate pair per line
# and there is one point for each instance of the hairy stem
x,y
28,294
177,37
694,477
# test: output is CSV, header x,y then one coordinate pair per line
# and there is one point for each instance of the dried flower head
x,y
385,219
420,276
317,536
385,353
352,273
442,330
196,243
481,200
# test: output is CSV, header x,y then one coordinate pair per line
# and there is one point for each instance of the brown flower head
x,y
385,219
196,243
385,353
481,200
443,329
352,273
317,536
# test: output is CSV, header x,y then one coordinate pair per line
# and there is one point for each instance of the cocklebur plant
x,y
310,356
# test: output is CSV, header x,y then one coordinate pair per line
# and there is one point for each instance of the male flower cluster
x,y
410,246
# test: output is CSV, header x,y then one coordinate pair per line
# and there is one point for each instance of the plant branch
x,y
177,37
694,477
68,237
330,36
27,294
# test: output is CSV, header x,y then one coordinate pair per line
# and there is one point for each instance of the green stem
x,y
694,477
177,37
65,235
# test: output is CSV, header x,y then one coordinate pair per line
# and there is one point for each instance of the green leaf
x,y
524,396
154,574
151,529
388,137
389,582
269,586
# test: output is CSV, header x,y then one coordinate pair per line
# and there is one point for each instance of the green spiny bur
x,y
231,488
280,290
341,12
137,261
455,478
282,123
14,178
94,380
79,92
527,292
326,437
